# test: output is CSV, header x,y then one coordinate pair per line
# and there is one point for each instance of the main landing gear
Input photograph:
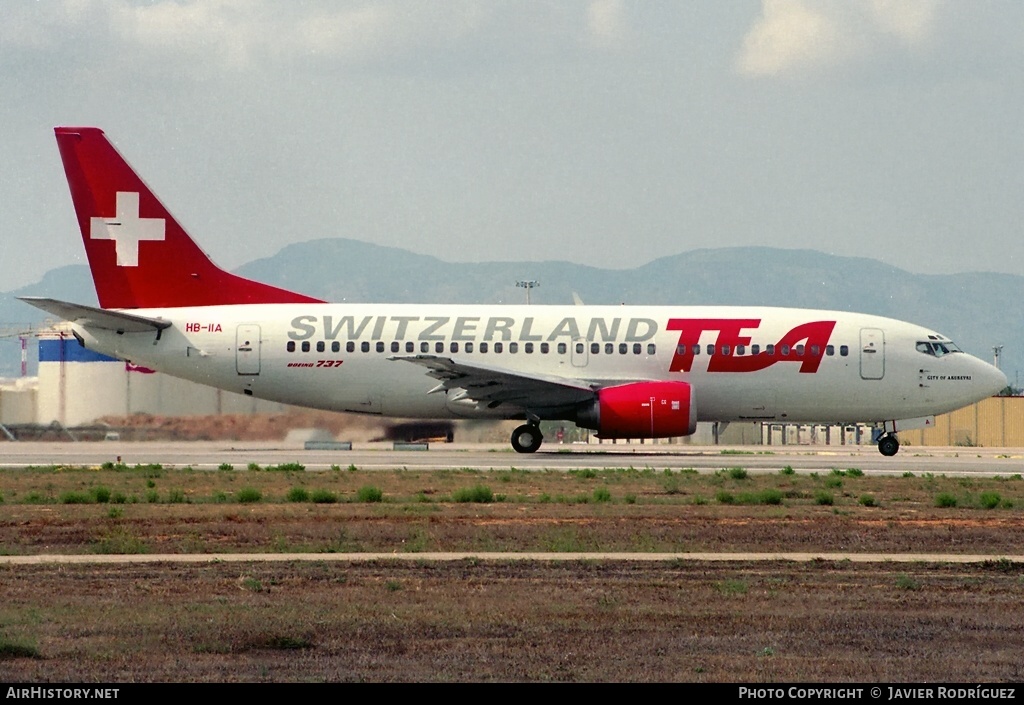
x,y
527,438
888,445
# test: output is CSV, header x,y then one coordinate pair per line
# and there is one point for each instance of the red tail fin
x,y
139,255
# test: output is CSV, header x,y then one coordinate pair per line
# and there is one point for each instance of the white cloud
x,y
794,36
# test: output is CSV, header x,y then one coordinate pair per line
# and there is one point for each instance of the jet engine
x,y
641,410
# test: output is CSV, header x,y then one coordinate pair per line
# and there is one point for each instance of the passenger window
x,y
623,349
711,349
595,348
513,347
562,347
439,347
410,346
380,346
636,348
320,346
424,347
483,347
651,349
305,346
725,349
498,347
609,348
528,348
469,347
350,346
395,346
784,350
544,348
800,350
830,350
365,346
740,349
579,348
844,350
335,346
696,349
755,349
291,346
454,347
815,351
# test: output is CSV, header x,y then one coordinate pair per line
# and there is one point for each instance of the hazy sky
x,y
604,132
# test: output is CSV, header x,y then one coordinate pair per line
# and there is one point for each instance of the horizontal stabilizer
x,y
97,317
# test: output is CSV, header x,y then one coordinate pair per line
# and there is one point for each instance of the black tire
x,y
526,439
888,445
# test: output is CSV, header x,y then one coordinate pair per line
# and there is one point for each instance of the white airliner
x,y
624,371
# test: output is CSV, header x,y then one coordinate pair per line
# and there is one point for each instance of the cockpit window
x,y
938,348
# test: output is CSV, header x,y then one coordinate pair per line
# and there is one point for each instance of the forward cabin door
x,y
247,349
872,353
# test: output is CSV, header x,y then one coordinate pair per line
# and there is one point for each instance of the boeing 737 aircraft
x,y
624,371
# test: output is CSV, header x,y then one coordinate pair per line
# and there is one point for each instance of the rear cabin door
x,y
247,349
872,353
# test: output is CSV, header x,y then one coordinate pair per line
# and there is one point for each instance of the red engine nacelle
x,y
642,410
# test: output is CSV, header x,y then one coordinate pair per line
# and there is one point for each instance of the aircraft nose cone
x,y
991,379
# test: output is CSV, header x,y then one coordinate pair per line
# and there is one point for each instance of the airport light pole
x,y
996,351
528,284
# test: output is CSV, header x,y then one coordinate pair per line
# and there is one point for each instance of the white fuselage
x,y
823,366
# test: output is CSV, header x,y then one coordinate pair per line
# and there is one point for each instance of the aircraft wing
x,y
494,385
97,317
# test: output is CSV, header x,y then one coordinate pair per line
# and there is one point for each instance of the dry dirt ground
x,y
478,620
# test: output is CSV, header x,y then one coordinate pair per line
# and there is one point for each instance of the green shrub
x,y
322,496
602,494
945,499
788,470
298,494
824,498
249,495
225,466
100,495
990,500
176,497
738,473
723,497
867,500
287,467
478,493
369,493
73,497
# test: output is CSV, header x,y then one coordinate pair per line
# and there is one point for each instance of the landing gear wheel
x,y
527,438
888,445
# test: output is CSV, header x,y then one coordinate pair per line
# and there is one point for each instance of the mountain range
x,y
978,310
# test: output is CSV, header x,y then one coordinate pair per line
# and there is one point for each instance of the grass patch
x,y
369,494
478,493
322,496
298,494
13,648
249,495
824,498
945,500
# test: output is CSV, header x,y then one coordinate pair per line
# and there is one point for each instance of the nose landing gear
x,y
888,445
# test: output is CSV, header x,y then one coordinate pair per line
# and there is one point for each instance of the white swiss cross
x,y
127,229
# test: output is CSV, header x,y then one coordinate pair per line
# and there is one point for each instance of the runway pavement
x,y
383,456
